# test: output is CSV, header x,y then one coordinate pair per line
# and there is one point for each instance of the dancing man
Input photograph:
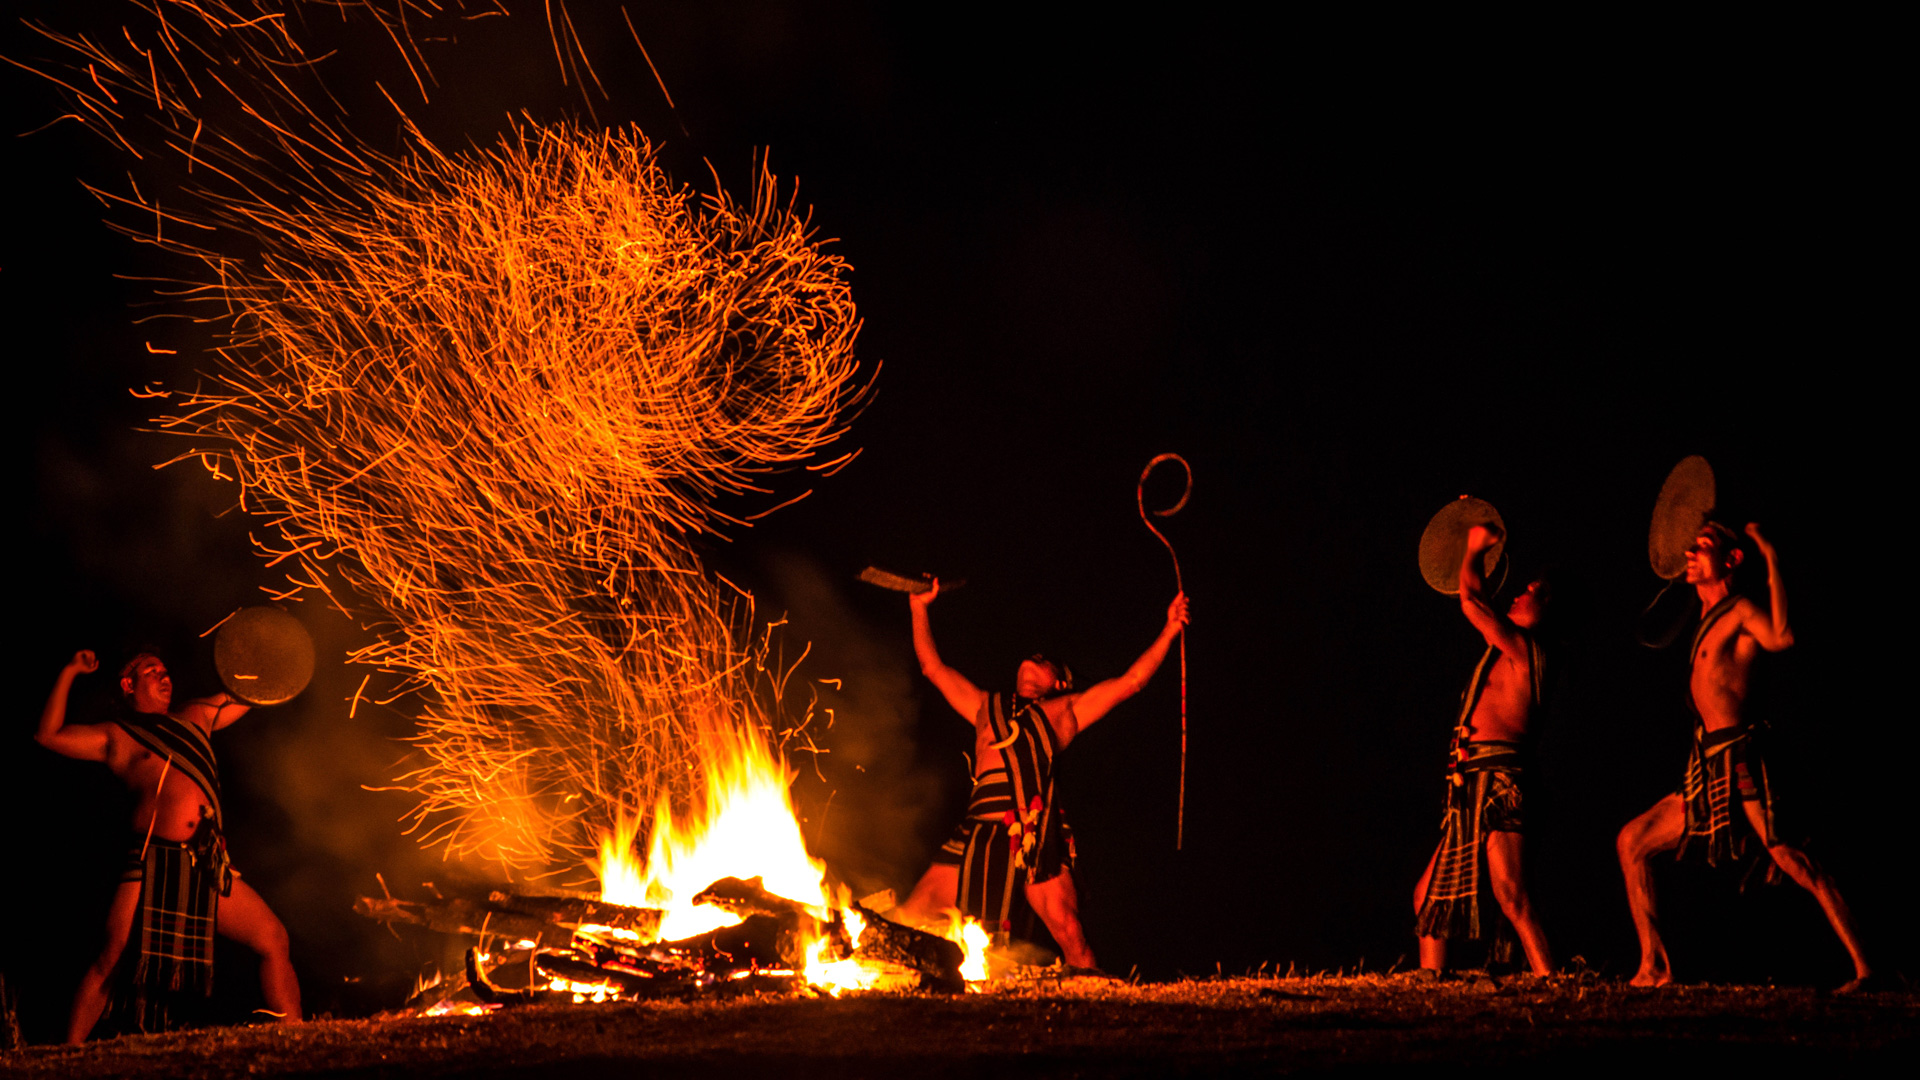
x,y
1480,831
1725,765
1014,833
178,888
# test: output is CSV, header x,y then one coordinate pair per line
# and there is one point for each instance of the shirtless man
x,y
173,815
1724,764
1014,833
1483,815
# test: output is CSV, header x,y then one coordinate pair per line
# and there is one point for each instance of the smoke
x,y
874,798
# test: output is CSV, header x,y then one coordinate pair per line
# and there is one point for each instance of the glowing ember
x,y
613,933
585,991
459,1008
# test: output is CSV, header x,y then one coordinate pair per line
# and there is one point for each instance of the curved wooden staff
x,y
1140,498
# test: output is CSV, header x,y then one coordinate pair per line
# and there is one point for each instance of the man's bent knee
x,y
1797,864
273,938
1634,841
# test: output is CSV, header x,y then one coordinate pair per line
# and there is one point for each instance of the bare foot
x,y
1651,977
1069,971
1869,983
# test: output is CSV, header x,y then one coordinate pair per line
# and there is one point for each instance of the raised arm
x,y
1495,627
87,742
1100,698
213,713
1771,630
965,697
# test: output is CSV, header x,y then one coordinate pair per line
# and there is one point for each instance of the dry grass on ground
x,y
1072,1027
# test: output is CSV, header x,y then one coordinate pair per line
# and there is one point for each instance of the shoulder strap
x,y
1537,663
1476,685
1707,621
187,747
1026,745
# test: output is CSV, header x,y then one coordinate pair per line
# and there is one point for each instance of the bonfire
x,y
486,400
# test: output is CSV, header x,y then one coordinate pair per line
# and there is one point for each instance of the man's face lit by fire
x,y
148,687
1711,558
1530,605
1035,679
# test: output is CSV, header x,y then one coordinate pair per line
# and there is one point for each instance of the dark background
x,y
1349,272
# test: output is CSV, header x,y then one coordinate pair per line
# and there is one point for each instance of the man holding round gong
x,y
1724,802
1481,827
178,888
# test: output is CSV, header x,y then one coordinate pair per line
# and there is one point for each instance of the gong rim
x,y
1686,498
264,655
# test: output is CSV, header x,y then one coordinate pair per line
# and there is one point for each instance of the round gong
x,y
1678,515
1444,544
264,655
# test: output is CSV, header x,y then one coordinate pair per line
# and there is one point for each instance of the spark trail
x,y
496,393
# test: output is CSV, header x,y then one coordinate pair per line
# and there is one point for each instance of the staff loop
x,y
1140,499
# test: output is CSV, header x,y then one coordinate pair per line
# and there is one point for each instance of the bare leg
x,y
1058,905
245,918
1655,832
1510,889
936,893
1809,876
91,999
1433,950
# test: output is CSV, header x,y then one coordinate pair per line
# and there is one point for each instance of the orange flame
x,y
837,976
973,939
745,827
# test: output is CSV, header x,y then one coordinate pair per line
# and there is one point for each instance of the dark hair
x,y
126,669
1729,540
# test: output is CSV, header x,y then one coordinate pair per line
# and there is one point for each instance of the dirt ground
x,y
1073,1027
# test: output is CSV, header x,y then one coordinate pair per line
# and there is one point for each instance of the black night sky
x,y
1350,272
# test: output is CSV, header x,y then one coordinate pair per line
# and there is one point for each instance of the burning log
x,y
608,951
528,918
755,941
763,950
456,916
573,911
935,959
586,972
485,989
750,897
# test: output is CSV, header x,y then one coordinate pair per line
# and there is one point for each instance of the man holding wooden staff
x,y
1014,833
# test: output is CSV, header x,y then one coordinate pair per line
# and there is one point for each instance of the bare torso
x,y
1506,705
1721,666
164,797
